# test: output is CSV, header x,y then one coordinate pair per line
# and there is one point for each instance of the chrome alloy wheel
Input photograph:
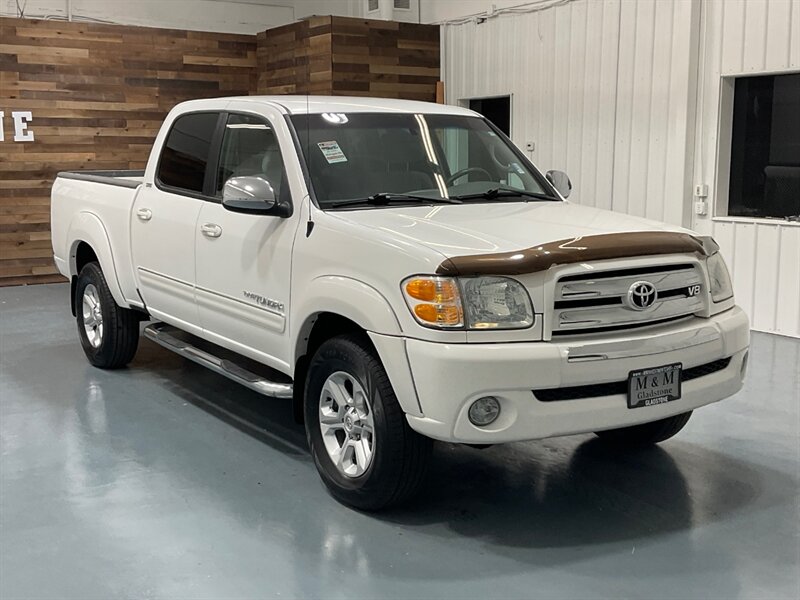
x,y
92,316
346,424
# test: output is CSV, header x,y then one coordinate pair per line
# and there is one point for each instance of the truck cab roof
x,y
299,105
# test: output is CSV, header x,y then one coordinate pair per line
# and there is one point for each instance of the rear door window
x,y
184,158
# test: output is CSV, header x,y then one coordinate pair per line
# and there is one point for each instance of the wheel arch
x,y
90,242
334,306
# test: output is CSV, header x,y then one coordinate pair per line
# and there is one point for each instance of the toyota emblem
x,y
642,295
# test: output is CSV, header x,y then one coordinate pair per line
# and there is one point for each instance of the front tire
x,y
645,434
109,333
366,453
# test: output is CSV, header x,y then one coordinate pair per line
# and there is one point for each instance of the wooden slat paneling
x,y
344,56
98,94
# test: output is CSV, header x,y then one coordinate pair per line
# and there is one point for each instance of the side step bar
x,y
162,334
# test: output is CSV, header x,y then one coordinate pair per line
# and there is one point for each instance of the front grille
x,y
597,301
615,388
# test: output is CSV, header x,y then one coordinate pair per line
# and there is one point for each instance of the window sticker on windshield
x,y
332,152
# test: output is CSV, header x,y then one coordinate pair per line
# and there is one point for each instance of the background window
x,y
185,155
250,148
497,110
765,150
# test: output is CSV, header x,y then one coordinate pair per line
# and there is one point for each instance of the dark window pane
x,y
250,148
353,156
765,150
497,110
185,154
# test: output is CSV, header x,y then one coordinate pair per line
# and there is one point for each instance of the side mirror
x,y
250,195
560,181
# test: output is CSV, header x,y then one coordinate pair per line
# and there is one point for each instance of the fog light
x,y
484,411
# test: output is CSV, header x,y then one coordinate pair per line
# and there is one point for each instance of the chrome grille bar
x,y
597,300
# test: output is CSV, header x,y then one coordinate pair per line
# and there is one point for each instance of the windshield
x,y
356,156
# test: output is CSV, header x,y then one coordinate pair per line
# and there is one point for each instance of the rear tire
x,y
366,453
645,434
109,333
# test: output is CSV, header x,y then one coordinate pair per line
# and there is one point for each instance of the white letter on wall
x,y
21,120
2,134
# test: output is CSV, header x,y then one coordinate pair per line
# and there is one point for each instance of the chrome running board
x,y
162,334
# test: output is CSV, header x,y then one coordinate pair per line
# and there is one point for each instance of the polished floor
x,y
166,481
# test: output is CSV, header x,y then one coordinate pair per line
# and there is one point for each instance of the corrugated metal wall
x,y
601,87
740,38
608,92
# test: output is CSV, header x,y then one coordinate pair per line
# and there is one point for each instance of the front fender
x,y
368,308
350,298
87,227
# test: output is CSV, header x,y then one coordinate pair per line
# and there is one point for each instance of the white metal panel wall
x,y
745,37
603,89
559,65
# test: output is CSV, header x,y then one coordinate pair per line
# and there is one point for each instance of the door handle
x,y
211,230
144,214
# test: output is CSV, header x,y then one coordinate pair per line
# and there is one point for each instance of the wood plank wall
x,y
350,57
98,94
295,58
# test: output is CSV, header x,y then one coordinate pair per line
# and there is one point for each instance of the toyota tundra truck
x,y
401,273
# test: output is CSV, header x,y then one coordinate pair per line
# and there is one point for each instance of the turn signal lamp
x,y
434,301
469,303
430,289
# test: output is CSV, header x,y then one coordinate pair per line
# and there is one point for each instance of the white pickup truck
x,y
403,273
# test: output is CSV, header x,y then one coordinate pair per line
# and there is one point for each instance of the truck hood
x,y
455,230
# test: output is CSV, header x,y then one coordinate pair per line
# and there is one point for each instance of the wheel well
x,y
314,333
84,254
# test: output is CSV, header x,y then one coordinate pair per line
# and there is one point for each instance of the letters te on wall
x,y
21,119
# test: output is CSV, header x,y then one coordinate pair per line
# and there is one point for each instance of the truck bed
x,y
128,179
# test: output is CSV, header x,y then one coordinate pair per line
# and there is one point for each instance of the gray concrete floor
x,y
164,480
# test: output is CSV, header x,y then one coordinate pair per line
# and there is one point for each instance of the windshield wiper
x,y
503,193
385,198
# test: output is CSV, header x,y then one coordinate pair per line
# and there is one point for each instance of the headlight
x,y
496,303
472,303
721,287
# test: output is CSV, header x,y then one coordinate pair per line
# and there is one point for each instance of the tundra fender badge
x,y
265,302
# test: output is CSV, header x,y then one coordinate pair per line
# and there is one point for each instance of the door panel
x,y
244,261
243,281
164,255
164,221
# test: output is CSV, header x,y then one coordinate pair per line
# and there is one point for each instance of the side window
x,y
250,148
185,155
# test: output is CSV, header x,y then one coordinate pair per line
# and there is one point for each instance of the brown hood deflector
x,y
575,250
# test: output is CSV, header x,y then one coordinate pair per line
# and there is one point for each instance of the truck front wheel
x,y
361,443
109,333
645,434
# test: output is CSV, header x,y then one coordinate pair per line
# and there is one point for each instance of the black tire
x,y
645,434
399,454
120,326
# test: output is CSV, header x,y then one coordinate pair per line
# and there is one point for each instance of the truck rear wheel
x,y
366,453
645,434
109,333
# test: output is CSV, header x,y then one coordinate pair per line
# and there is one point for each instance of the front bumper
x,y
449,377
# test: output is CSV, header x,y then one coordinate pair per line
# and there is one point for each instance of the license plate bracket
x,y
653,386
